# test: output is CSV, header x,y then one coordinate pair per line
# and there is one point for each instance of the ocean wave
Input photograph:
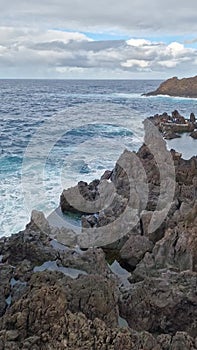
x,y
129,95
103,130
173,98
56,133
10,163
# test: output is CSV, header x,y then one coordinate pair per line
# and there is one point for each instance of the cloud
x,y
59,52
190,41
138,42
48,36
140,17
135,63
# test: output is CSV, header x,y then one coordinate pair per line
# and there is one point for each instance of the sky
x,y
88,39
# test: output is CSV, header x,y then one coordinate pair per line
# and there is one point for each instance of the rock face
x,y
172,296
186,87
134,249
172,126
194,134
51,310
76,199
54,295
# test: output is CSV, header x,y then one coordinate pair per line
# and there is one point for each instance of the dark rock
x,y
42,319
162,305
194,134
169,135
134,250
55,295
79,199
172,126
6,272
176,250
186,87
107,175
177,117
192,118
157,234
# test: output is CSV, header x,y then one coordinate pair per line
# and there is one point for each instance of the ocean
x,y
57,132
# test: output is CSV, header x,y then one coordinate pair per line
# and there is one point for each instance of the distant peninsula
x,y
186,87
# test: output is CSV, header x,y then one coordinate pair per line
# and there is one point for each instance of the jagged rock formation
x,y
194,134
58,296
186,87
184,191
45,308
172,126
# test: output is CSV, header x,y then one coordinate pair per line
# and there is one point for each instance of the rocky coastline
x,y
186,87
172,126
135,288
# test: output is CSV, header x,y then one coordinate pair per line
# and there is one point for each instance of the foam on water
x,y
83,153
55,133
175,98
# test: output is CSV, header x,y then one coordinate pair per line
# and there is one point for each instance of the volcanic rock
x,y
165,304
194,134
54,295
186,87
134,250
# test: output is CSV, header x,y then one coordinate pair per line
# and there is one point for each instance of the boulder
x,y
192,118
165,304
170,134
80,199
194,134
134,250
176,250
153,235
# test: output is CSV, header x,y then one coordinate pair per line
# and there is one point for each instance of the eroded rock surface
x,y
186,87
55,295
172,126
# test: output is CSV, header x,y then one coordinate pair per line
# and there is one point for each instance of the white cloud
x,y
136,17
30,44
55,51
177,49
168,63
138,42
135,63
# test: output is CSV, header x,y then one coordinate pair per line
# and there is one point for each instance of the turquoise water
x,y
54,133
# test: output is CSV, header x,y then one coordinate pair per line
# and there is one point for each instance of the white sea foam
x,y
53,163
175,98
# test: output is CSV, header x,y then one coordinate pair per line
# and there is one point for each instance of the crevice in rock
x,y
141,227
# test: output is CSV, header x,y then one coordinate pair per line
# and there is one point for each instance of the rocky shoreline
x,y
186,87
134,287
172,126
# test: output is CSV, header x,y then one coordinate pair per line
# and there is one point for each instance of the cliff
x,y
186,87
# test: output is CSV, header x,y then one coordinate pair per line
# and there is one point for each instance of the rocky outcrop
x,y
146,204
172,296
43,308
172,126
41,319
175,251
186,87
170,135
194,134
134,250
192,118
134,263
79,199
